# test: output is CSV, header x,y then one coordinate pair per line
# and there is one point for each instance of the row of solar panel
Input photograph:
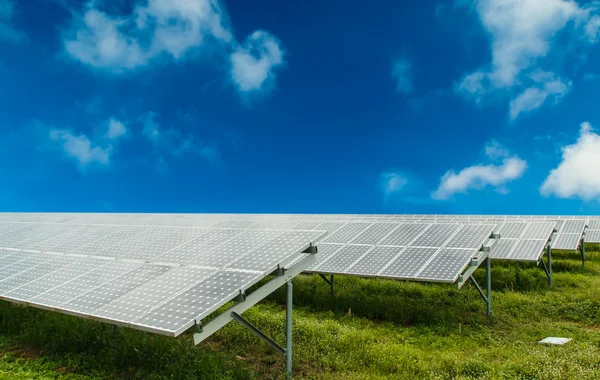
x,y
226,256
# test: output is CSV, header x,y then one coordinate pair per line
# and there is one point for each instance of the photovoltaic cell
x,y
404,234
566,241
374,234
198,301
572,227
446,265
375,261
503,249
470,236
436,235
539,230
409,262
346,233
512,230
115,288
340,261
146,297
592,236
528,250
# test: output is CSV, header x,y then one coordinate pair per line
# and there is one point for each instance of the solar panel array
x,y
413,247
148,275
592,233
409,251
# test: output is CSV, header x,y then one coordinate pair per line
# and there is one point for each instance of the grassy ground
x,y
371,329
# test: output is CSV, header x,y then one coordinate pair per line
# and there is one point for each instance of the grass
x,y
371,329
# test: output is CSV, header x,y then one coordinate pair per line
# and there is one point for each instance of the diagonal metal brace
x,y
487,296
257,332
548,267
330,281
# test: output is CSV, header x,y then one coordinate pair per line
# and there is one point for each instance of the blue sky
x,y
485,106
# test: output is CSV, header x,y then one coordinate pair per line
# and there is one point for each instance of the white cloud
x,y
480,176
533,97
522,34
81,148
402,74
87,151
116,129
578,174
253,63
170,28
392,181
8,32
153,29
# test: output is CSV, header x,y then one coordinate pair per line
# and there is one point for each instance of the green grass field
x,y
371,329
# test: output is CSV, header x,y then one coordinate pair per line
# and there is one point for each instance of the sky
x,y
457,106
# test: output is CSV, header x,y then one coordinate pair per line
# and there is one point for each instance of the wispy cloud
x,y
522,35
8,32
392,181
578,174
480,176
174,142
116,129
402,75
547,87
170,29
85,150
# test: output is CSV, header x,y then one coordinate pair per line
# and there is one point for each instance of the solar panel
x,y
152,276
566,241
592,236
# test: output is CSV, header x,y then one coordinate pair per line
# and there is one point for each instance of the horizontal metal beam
x,y
253,298
475,263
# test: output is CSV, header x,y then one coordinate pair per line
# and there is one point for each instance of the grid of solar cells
x,y
413,251
138,275
569,234
522,240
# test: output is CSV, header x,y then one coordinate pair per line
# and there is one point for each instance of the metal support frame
x,y
330,282
487,297
244,302
548,268
582,249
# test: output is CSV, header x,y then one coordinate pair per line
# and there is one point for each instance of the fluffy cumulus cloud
x,y
169,28
8,32
253,64
392,181
578,174
86,150
504,169
402,75
522,36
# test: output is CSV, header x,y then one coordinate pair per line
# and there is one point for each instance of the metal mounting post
x,y
244,302
582,249
548,268
288,331
330,281
488,284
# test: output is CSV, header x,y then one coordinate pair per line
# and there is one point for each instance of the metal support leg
x,y
548,268
487,298
582,249
488,283
288,332
330,282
